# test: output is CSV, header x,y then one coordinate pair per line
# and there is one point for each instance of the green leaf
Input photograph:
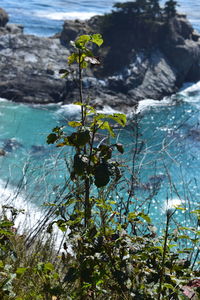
x,y
61,225
52,138
21,271
72,58
180,208
57,129
184,237
132,215
82,137
48,267
97,39
104,125
141,215
169,286
119,118
1,264
84,64
82,40
64,73
105,151
80,163
77,139
120,148
6,223
102,175
145,217
74,124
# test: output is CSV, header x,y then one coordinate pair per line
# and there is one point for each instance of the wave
x,y
59,16
108,110
190,92
146,104
69,111
4,100
29,214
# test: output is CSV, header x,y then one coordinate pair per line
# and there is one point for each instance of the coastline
x,y
31,64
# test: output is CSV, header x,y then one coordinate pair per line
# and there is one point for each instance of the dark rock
x,y
182,50
2,152
11,144
145,58
38,150
14,28
141,58
30,67
71,29
3,17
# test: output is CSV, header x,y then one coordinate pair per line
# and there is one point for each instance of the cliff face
x,y
141,58
145,58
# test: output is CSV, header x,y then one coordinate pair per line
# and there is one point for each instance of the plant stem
x,y
87,182
80,80
163,257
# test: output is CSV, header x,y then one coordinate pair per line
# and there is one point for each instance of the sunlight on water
x,y
168,152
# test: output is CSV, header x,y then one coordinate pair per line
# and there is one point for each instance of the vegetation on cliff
x,y
111,250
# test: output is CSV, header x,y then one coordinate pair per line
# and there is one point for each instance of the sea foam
x,y
148,103
58,16
29,216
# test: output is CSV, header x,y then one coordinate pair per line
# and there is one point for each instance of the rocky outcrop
x,y
141,59
3,17
29,68
150,58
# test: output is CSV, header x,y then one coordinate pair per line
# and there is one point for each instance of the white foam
x,y
29,215
70,111
148,103
190,87
108,110
9,196
190,92
3,100
65,15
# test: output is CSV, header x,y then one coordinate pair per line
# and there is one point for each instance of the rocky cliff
x,y
141,58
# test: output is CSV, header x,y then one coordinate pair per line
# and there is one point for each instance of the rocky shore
x,y
140,59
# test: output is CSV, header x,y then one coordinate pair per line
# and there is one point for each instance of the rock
x,y
146,58
30,67
2,152
11,144
141,58
71,29
11,29
15,28
182,50
3,17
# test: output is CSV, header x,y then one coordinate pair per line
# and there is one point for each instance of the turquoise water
x,y
167,167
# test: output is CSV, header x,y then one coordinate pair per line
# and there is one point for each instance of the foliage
x,y
116,252
147,9
111,250
170,8
26,272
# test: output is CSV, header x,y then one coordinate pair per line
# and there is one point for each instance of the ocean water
x,y
167,169
45,17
